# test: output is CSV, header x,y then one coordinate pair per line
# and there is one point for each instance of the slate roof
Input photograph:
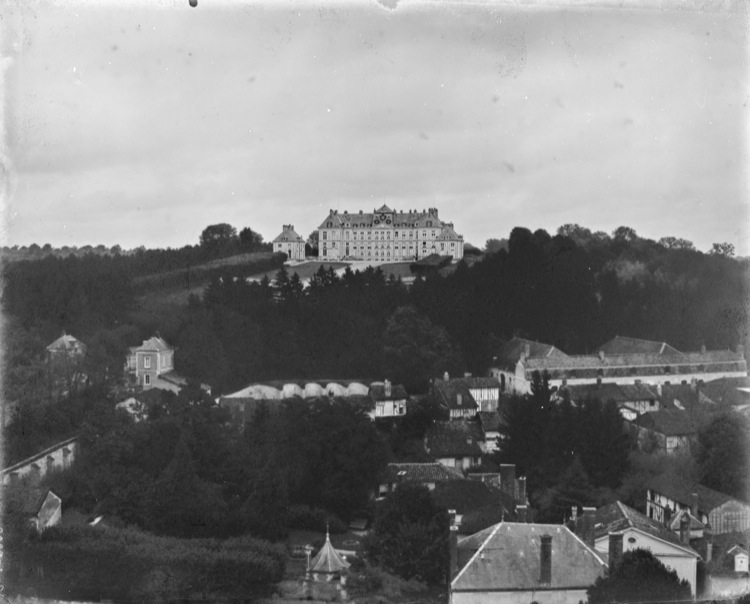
x,y
608,391
288,234
512,351
66,343
447,233
617,517
670,422
695,524
684,396
33,501
681,492
449,391
420,473
399,219
490,421
509,559
620,345
154,344
453,439
727,390
481,382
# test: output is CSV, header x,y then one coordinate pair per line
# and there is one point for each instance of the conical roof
x,y
328,559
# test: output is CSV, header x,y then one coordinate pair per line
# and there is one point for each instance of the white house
x,y
639,531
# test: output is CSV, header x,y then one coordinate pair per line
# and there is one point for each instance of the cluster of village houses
x,y
662,395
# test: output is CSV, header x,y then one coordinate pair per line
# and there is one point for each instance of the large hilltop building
x,y
387,235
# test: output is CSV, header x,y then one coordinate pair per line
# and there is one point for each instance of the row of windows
x,y
380,234
386,220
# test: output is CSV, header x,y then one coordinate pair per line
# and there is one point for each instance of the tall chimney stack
x,y
452,546
545,569
587,526
521,511
615,550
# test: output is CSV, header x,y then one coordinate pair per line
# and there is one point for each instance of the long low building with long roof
x,y
621,360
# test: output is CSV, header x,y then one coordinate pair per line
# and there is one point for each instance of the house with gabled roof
x,y
466,396
640,531
290,243
389,399
65,347
666,430
631,399
39,507
724,514
518,562
455,444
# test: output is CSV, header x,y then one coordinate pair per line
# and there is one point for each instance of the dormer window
x,y
329,225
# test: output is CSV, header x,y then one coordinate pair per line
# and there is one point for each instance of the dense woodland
x,y
572,290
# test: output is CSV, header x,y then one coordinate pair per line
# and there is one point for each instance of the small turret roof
x,y
328,559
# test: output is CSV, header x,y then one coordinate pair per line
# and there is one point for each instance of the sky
x,y
141,123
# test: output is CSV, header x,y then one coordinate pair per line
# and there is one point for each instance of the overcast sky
x,y
141,123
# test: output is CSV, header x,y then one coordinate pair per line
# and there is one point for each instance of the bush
x,y
99,562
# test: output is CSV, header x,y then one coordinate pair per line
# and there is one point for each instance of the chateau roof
x,y
617,517
288,234
509,559
399,219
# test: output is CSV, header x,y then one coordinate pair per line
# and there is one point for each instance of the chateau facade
x,y
387,235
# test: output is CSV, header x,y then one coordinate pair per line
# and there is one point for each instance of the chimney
x,y
574,513
467,374
446,377
526,350
587,522
615,550
452,546
703,349
508,479
694,505
694,384
521,513
739,350
685,527
521,489
601,355
387,388
709,552
545,570
458,400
